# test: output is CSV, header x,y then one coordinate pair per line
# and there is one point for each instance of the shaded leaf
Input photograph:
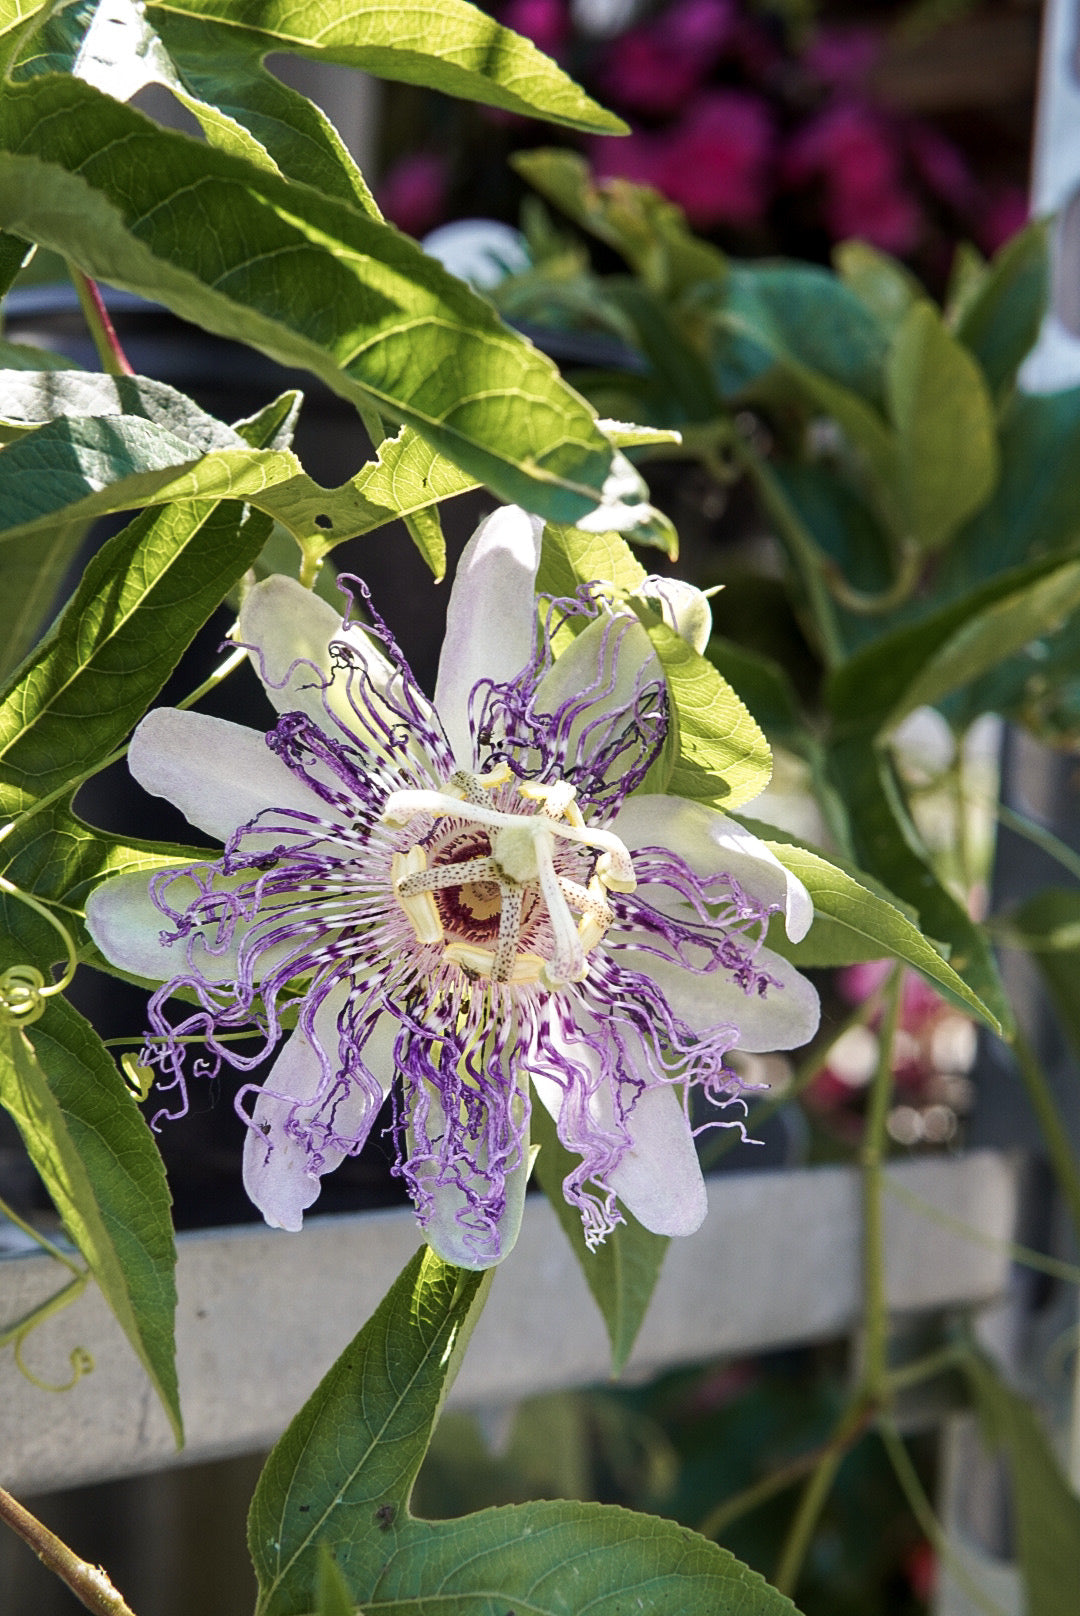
x,y
32,570
952,646
889,847
1000,321
622,1272
97,1158
1035,507
1047,1508
651,233
883,284
947,459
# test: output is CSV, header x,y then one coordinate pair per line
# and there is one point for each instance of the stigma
x,y
506,877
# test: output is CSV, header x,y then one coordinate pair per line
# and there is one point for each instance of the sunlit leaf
x,y
305,278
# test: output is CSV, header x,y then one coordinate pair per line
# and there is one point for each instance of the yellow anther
x,y
498,777
556,800
419,907
616,871
480,963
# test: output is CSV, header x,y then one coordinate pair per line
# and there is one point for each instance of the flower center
x,y
500,870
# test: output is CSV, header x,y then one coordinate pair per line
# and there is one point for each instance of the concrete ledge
x,y
262,1315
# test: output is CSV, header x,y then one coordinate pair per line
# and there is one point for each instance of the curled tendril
x,y
81,1361
21,995
23,990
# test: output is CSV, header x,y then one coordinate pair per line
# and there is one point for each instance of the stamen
x,y
418,904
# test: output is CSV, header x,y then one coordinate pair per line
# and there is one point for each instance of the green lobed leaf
x,y
855,919
140,602
342,1473
622,1273
339,1481
1000,321
98,1161
305,278
1047,1509
947,457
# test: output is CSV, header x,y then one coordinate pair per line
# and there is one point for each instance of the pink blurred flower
x,y
941,167
412,193
855,153
717,163
1002,216
653,69
842,57
545,22
638,157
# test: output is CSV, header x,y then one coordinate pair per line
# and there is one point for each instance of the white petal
x,y
127,926
597,675
683,607
659,1177
449,1239
289,629
710,843
785,1018
277,1173
217,773
490,617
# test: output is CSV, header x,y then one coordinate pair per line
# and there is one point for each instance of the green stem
x,y
88,1583
923,1512
36,1235
759,1492
1024,1255
1055,1134
114,361
872,1159
234,660
804,552
925,1368
801,1532
1040,837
